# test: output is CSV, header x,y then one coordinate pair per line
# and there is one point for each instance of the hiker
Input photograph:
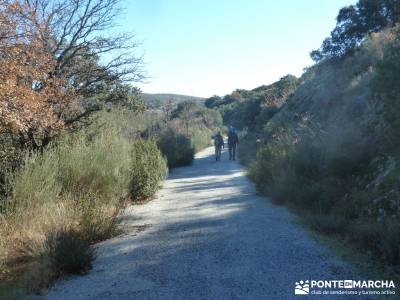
x,y
219,144
233,140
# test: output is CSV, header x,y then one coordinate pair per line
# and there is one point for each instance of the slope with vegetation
x,y
331,150
251,110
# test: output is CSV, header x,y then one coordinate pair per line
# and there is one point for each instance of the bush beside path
x,y
207,235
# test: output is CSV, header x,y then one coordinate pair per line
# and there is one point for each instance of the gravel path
x,y
206,236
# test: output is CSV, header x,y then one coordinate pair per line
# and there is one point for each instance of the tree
x,y
50,59
354,23
186,111
211,118
167,108
212,101
31,99
77,33
216,101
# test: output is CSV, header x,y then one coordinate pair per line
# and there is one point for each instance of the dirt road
x,y
206,236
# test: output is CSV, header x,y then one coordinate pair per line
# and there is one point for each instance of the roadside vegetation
x,y
329,146
77,142
183,129
66,198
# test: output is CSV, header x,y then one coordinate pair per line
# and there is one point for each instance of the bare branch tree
x,y
83,51
81,31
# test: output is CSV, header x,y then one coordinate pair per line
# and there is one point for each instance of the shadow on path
x,y
209,237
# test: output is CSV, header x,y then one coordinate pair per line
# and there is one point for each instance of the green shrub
x,y
11,156
271,166
78,182
176,147
324,177
69,252
327,224
97,166
386,83
249,144
382,238
312,170
200,138
35,184
97,222
148,169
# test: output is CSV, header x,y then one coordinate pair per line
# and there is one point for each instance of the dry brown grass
x,y
76,186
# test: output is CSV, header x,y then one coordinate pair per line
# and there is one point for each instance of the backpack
x,y
232,138
218,141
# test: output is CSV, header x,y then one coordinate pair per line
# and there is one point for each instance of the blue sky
x,y
208,47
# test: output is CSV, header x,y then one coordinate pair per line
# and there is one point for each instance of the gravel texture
x,y
207,235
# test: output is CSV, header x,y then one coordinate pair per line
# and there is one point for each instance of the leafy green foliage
x,y
78,182
200,137
216,101
312,164
120,94
354,23
88,166
176,147
183,130
213,101
148,169
324,177
192,114
250,109
322,152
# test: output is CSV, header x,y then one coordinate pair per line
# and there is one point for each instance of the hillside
x,y
155,100
252,108
330,148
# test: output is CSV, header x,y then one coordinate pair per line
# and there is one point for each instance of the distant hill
x,y
155,100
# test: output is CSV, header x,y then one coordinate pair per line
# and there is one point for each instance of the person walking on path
x,y
233,140
219,144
